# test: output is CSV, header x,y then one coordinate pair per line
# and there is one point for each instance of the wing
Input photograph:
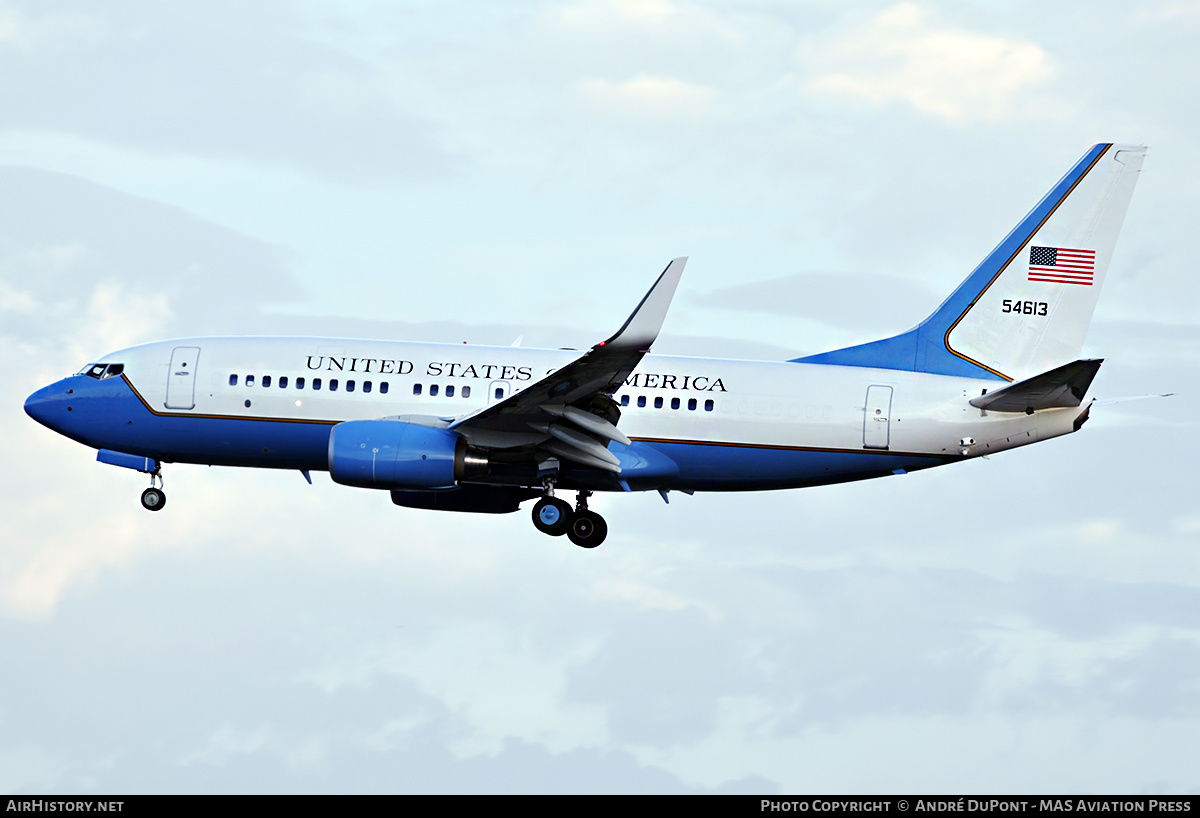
x,y
573,405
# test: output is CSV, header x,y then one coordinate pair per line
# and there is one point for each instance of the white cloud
x,y
648,596
286,101
903,54
227,742
658,17
29,769
1171,13
14,300
1024,656
981,752
649,97
54,32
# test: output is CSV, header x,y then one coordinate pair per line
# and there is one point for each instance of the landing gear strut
x,y
551,515
555,517
154,498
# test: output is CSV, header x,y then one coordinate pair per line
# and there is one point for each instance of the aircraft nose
x,y
40,404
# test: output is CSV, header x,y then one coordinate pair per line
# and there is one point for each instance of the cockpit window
x,y
102,371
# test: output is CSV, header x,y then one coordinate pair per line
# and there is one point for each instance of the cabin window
x,y
449,391
416,388
249,380
708,405
333,382
499,392
316,384
383,388
233,380
433,390
283,381
466,391
624,400
366,386
349,386
641,401
658,403
674,403
266,380
299,383
691,404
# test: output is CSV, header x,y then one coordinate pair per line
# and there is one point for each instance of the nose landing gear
x,y
154,498
555,517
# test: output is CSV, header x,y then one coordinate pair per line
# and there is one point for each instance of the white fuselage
x,y
667,398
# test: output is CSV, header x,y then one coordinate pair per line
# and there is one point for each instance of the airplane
x,y
485,428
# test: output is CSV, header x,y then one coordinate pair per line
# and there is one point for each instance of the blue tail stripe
x,y
924,348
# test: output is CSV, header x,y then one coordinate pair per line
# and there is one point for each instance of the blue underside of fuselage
x,y
108,415
708,467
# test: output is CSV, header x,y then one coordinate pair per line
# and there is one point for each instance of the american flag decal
x,y
1062,265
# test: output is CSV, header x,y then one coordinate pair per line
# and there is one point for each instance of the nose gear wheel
x,y
153,499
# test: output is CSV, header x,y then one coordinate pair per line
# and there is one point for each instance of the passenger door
x,y
181,378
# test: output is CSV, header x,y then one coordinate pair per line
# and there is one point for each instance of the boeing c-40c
x,y
484,429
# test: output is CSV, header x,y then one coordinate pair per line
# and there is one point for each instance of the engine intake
x,y
391,454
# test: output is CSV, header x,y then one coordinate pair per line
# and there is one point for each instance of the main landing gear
x,y
154,498
555,517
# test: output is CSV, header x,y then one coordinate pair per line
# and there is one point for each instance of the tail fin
x,y
1026,308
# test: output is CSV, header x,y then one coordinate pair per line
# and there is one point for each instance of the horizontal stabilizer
x,y
1058,388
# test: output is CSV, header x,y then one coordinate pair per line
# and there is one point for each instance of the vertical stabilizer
x,y
1026,308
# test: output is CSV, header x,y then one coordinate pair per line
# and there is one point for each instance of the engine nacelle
x,y
392,454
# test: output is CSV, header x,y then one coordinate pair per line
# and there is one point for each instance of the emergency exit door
x,y
498,391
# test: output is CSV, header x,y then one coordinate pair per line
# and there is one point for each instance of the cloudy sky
x,y
471,171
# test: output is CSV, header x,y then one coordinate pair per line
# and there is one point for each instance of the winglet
x,y
599,371
641,328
